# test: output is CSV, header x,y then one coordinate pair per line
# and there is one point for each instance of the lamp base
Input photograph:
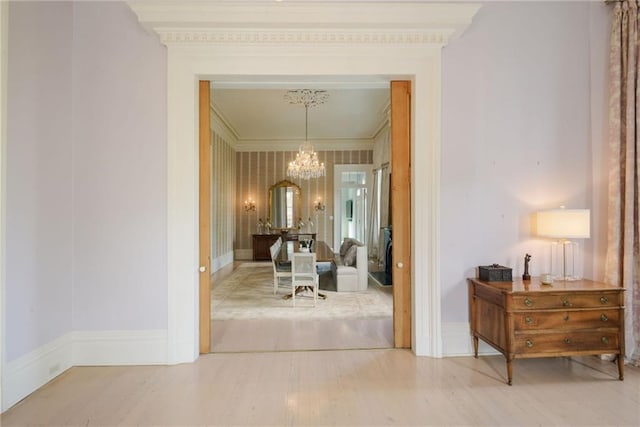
x,y
564,253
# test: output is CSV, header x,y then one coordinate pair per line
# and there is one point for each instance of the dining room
x,y
256,135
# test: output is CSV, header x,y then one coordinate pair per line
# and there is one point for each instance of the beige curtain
x,y
623,259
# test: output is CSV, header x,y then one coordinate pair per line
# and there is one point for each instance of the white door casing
x,y
302,42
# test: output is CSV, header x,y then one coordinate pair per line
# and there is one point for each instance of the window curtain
x,y
385,202
372,230
623,260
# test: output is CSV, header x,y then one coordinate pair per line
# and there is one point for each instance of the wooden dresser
x,y
262,242
529,319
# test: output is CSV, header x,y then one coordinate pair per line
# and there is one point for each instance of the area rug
x,y
248,294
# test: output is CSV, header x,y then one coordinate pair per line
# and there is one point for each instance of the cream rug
x,y
248,294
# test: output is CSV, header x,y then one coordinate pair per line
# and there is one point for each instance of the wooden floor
x,y
356,387
293,335
238,335
336,387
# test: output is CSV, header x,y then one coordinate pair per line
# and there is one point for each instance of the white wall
x,y
39,228
120,171
516,136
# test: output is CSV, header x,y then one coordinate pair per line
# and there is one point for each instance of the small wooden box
x,y
495,273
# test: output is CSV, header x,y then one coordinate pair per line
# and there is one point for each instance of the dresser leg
x,y
621,367
475,346
509,371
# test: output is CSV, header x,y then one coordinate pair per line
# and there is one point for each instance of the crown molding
x,y
228,132
212,36
320,23
294,145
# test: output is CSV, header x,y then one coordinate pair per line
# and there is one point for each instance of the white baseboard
x,y
221,261
91,348
26,374
31,371
457,341
244,254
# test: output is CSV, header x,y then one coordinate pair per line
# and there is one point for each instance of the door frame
x,y
204,215
400,195
401,213
337,197
391,41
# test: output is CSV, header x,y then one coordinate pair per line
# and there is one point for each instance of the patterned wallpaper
x,y
223,200
257,171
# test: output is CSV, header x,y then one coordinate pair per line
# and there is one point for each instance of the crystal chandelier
x,y
306,164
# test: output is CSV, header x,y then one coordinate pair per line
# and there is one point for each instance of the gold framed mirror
x,y
284,204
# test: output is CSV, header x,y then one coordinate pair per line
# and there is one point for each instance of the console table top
x,y
535,285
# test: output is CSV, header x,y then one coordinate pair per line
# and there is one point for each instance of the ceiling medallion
x,y
306,164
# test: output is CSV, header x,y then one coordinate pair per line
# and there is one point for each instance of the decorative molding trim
x,y
221,261
27,373
146,347
212,39
220,125
209,36
457,341
318,145
305,22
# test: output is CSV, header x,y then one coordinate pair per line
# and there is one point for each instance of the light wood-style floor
x,y
356,387
237,335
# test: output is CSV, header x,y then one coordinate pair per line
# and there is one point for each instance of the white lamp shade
x,y
564,223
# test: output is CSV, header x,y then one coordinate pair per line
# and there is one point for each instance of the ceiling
x,y
264,115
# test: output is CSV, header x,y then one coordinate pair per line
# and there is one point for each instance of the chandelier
x,y
306,164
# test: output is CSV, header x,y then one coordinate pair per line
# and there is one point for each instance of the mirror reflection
x,y
284,203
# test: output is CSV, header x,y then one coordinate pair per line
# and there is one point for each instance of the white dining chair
x,y
279,271
304,274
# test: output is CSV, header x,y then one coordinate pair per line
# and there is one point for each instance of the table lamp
x,y
564,225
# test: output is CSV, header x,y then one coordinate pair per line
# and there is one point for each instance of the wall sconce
x,y
318,205
250,205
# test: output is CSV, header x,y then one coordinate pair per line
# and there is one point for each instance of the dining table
x,y
324,255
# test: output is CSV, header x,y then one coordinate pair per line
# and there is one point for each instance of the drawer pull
x,y
604,300
528,320
605,340
528,302
604,317
566,303
529,343
566,317
567,341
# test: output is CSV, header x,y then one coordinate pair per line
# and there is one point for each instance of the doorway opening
x,y
353,191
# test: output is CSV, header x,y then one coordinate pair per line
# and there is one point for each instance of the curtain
x,y
623,261
385,202
372,230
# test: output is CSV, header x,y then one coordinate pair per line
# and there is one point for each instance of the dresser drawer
x,y
595,341
569,320
573,300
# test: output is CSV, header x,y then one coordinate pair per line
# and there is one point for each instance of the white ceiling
x,y
263,114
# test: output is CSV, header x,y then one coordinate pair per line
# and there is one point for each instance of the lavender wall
x,y
38,194
519,79
120,171
86,174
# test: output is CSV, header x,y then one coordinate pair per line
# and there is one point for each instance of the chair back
x,y
273,249
303,266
